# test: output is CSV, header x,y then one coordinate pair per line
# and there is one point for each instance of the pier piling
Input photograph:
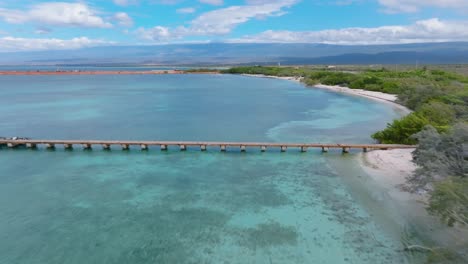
x,y
31,145
163,147
223,148
50,146
68,146
263,148
87,146
106,147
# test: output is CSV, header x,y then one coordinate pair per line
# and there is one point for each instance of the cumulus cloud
x,y
212,2
42,31
157,33
218,22
123,19
186,10
125,2
56,14
411,6
10,44
431,30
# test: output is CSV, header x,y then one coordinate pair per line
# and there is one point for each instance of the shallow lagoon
x,y
185,207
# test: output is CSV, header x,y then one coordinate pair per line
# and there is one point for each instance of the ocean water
x,y
185,207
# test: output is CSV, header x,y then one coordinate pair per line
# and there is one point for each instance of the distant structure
x,y
182,145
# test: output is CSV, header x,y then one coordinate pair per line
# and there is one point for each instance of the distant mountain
x,y
396,57
231,54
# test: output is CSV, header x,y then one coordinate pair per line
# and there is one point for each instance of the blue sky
x,y
43,25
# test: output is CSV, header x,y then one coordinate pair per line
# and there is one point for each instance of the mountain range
x,y
239,54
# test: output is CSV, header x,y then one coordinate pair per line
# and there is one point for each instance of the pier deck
x,y
182,145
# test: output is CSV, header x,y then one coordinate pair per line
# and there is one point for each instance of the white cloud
x,y
212,2
431,30
123,19
218,22
10,44
158,33
125,2
411,6
42,31
186,10
56,14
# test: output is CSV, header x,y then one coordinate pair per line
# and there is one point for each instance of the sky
x,y
28,25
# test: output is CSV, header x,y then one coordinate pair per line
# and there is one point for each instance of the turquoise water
x,y
184,207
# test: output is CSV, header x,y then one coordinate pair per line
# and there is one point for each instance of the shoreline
x,y
294,79
388,171
376,96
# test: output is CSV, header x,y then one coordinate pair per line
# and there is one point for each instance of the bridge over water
x,y
182,145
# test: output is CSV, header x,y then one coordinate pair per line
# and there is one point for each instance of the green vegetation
x,y
201,70
438,98
443,169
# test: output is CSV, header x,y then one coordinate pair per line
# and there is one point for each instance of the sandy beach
x,y
390,168
294,79
377,96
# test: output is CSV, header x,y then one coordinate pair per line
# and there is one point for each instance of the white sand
x,y
294,79
377,96
390,168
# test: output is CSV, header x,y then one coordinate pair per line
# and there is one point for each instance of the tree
x,y
400,131
449,201
440,155
443,169
437,113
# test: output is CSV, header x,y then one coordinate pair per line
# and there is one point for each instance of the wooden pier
x,y
183,145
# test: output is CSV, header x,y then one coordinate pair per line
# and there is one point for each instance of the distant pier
x,y
104,72
203,146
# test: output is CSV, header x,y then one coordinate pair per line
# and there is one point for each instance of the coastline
x,y
386,172
390,169
376,96
294,79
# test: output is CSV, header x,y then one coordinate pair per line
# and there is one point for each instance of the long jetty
x,y
183,145
105,72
